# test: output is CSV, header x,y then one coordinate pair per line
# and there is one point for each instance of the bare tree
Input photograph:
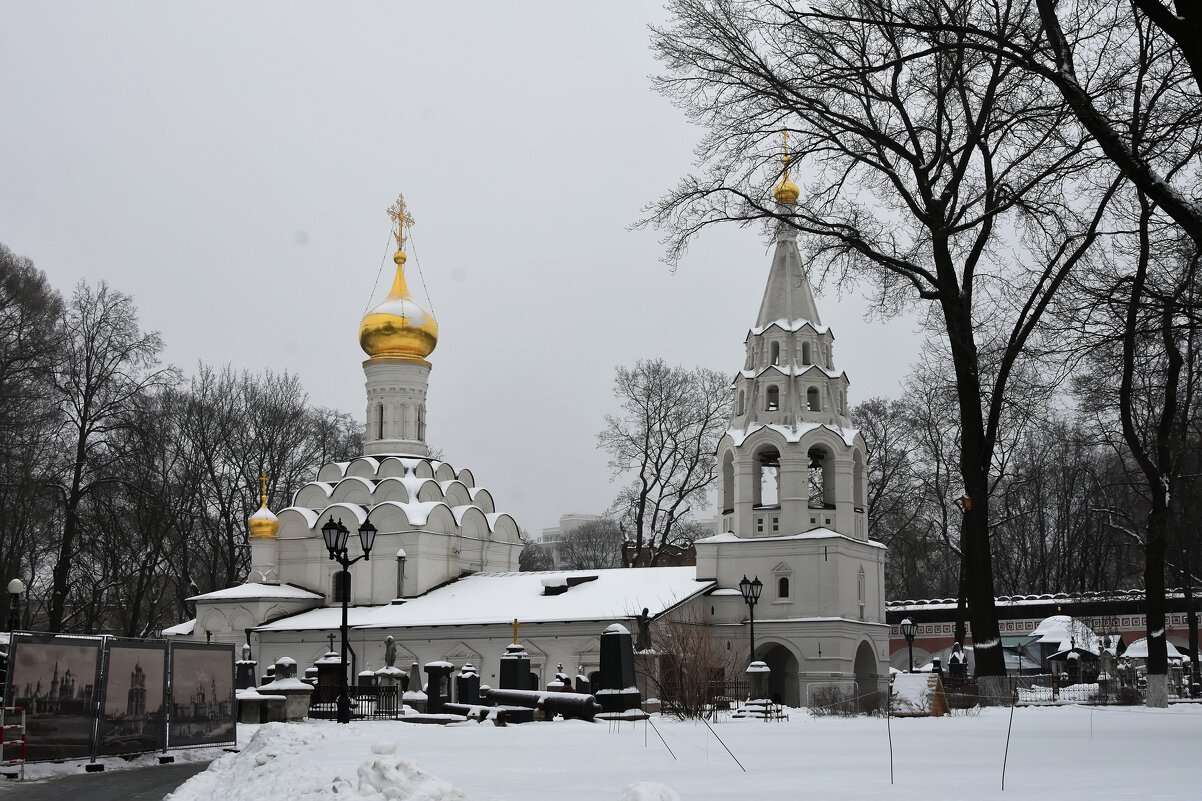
x,y
694,666
108,365
30,346
665,436
534,556
596,544
939,175
1150,326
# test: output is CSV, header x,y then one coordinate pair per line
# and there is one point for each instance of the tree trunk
x,y
1158,656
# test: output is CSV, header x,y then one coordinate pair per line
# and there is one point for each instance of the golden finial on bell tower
x,y
786,191
263,481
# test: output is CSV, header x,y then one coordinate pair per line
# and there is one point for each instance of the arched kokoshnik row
x,y
407,489
396,517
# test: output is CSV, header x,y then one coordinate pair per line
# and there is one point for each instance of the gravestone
x,y
329,671
758,704
957,663
244,670
467,685
414,696
583,684
390,678
618,692
438,685
296,693
515,668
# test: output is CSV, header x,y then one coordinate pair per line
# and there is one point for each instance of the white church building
x,y
443,578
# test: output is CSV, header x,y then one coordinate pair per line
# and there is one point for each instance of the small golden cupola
x,y
399,328
263,524
786,191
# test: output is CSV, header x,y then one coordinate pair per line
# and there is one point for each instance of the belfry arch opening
x,y
774,353
728,482
812,403
773,399
767,485
820,486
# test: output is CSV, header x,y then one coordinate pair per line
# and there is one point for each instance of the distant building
x,y
554,539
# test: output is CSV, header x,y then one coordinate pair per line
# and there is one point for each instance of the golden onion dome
x,y
786,191
263,524
398,327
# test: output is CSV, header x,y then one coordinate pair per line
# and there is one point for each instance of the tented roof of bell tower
x,y
788,299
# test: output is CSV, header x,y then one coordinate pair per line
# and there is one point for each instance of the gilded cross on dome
x,y
263,480
400,215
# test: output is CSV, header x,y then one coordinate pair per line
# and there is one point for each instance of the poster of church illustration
x,y
202,695
133,713
54,678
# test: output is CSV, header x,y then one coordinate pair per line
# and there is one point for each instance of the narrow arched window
x,y
774,350
773,399
739,405
805,353
341,587
421,423
861,590
782,587
812,399
379,421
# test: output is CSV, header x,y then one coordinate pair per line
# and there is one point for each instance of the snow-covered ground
x,y
1104,753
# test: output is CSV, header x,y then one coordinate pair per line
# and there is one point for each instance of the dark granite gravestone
x,y
467,685
438,685
618,692
583,685
515,668
244,670
957,663
329,672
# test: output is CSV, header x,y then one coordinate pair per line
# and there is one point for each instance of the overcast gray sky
x,y
229,165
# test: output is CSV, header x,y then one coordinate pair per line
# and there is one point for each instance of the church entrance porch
x,y
869,683
783,686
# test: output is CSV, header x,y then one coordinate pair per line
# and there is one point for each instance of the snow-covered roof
x,y
789,325
793,433
791,370
819,533
180,629
1139,649
495,598
1066,633
253,589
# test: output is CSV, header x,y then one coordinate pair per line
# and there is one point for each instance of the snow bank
x,y
268,768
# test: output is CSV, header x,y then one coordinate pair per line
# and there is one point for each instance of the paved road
x,y
139,784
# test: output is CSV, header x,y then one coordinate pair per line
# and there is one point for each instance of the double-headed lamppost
x,y
15,588
335,535
751,595
908,630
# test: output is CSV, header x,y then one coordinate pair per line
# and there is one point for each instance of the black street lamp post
x,y
335,535
15,588
909,629
751,595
